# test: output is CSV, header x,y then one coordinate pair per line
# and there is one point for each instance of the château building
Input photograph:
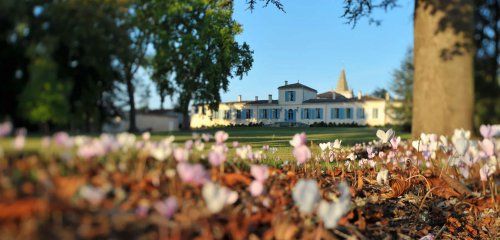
x,y
299,104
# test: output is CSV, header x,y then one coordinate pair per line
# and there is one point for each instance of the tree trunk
x,y
186,123
130,90
443,93
162,100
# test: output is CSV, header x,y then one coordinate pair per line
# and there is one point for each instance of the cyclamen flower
x,y
221,137
217,156
5,128
206,137
20,139
486,171
298,140
256,188
192,173
216,196
306,195
331,213
181,154
488,147
146,136
395,142
336,144
166,207
301,154
488,131
369,151
385,136
161,151
259,172
62,139
382,176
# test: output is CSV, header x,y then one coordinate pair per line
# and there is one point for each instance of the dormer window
x,y
290,96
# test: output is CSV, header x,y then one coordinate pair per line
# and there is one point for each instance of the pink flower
x,y
236,144
217,156
485,172
298,140
260,173
20,139
395,142
188,145
181,154
221,137
192,173
256,188
206,137
369,151
488,147
5,128
166,207
63,139
487,131
301,154
265,147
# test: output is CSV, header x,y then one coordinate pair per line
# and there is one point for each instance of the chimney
x,y
286,83
359,95
333,95
239,98
387,96
256,98
270,98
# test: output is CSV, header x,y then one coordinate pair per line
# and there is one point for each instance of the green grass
x,y
255,136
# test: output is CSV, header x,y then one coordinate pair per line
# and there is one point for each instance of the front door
x,y
290,115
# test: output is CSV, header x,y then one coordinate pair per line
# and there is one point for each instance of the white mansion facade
x,y
298,103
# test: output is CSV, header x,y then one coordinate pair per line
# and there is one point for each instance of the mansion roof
x,y
297,85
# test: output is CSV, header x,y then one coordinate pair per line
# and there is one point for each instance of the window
x,y
335,113
318,113
265,114
290,114
360,113
348,112
227,114
275,114
375,113
248,114
341,113
290,96
307,116
238,114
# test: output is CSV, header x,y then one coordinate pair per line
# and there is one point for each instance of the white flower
x,y
336,144
382,176
324,146
385,136
306,195
331,213
216,196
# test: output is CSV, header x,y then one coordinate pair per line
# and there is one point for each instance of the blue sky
x,y
311,43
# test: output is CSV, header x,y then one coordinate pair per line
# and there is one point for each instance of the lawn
x,y
254,136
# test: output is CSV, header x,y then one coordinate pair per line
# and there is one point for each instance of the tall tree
x,y
195,40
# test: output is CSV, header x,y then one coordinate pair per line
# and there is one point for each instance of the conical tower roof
x,y
342,83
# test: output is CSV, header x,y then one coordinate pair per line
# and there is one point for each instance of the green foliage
x,y
402,87
195,45
44,99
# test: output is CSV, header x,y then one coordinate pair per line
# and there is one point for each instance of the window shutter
x,y
243,114
302,113
321,113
